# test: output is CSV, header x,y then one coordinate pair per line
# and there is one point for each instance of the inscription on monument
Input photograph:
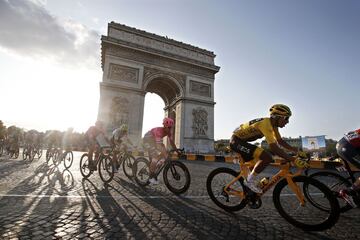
x,y
123,73
201,89
159,45
200,122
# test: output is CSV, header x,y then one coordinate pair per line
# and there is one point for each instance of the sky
x,y
305,54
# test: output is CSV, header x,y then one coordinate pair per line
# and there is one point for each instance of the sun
x,y
46,96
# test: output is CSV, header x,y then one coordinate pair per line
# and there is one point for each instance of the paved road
x,y
43,201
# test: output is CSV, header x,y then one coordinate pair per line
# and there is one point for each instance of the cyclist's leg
x,y
154,153
251,152
91,149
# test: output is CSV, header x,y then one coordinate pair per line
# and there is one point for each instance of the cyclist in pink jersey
x,y
348,148
153,143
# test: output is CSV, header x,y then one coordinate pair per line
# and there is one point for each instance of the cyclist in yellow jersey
x,y
256,129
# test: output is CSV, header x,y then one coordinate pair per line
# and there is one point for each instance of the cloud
x,y
28,29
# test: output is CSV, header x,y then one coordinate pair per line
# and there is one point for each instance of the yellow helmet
x,y
280,110
123,128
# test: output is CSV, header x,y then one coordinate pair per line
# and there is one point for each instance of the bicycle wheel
x,y
176,177
48,155
56,157
215,184
68,159
335,183
84,166
128,163
17,152
106,169
39,152
307,217
141,171
31,153
24,154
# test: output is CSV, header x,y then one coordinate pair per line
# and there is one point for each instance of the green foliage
x,y
2,130
330,147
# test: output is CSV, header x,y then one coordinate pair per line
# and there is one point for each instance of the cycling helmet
x,y
168,122
280,110
123,128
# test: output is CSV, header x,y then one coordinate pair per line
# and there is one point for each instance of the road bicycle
x,y
104,163
14,151
291,194
49,154
175,173
55,154
28,153
68,158
125,159
38,150
340,178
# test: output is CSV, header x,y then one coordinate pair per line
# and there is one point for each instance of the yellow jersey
x,y
256,129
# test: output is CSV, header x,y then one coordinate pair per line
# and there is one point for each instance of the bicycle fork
x,y
296,189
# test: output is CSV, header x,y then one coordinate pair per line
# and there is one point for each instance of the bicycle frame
x,y
347,170
120,156
167,161
284,172
102,154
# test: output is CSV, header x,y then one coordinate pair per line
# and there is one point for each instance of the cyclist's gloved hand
x,y
302,154
301,163
179,152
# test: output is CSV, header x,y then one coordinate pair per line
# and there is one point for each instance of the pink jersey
x,y
158,133
354,138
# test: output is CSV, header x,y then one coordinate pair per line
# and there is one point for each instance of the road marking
x,y
94,196
115,197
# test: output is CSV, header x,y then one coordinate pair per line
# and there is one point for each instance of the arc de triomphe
x,y
135,62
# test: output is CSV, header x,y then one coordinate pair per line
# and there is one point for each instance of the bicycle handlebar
x,y
178,150
333,157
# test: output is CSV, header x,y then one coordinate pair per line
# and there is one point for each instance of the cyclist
x,y
95,137
120,140
348,148
13,138
153,143
256,129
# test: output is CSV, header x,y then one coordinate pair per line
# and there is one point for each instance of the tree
x,y
330,147
2,130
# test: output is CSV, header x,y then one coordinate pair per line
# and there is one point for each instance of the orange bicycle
x,y
291,195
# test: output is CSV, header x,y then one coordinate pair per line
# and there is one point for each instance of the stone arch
x,y
166,86
135,62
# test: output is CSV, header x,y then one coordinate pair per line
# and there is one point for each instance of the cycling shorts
x,y
247,150
149,145
348,152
